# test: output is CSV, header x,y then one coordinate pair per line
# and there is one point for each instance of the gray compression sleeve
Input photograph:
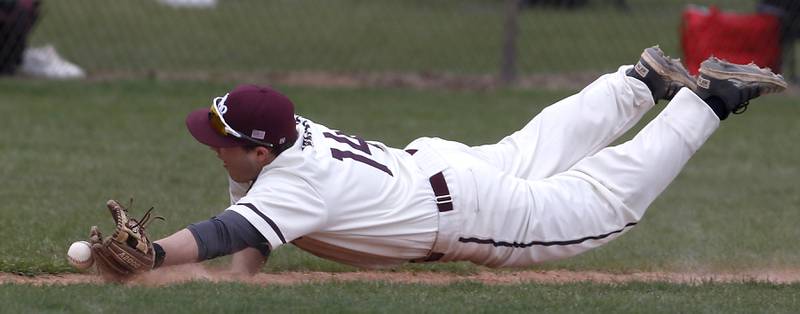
x,y
225,234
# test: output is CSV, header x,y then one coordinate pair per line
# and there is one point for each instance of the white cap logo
x,y
220,103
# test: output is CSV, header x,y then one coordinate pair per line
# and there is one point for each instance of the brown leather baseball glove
x,y
126,252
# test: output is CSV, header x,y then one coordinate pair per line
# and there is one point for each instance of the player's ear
x,y
264,154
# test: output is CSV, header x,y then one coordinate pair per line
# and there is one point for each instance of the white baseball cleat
x,y
45,62
200,4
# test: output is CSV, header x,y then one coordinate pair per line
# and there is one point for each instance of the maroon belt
x,y
443,199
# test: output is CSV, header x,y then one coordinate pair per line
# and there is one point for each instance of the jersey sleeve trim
x,y
266,219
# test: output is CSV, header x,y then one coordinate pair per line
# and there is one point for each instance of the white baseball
x,y
80,255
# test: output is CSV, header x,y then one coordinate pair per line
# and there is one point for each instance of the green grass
x,y
257,36
67,147
391,298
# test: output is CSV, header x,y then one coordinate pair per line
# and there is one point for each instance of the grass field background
x,y
69,146
391,298
66,147
458,36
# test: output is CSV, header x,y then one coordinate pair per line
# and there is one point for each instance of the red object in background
x,y
738,38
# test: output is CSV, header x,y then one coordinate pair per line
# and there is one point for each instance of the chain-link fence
x,y
206,38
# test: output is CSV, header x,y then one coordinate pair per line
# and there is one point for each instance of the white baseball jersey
x,y
548,191
342,198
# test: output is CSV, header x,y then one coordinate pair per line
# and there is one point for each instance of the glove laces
x,y
146,218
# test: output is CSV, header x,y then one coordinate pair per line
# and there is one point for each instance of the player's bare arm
x,y
181,246
247,262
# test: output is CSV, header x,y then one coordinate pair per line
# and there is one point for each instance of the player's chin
x,y
242,172
240,178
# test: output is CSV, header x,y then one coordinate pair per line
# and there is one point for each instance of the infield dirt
x,y
186,273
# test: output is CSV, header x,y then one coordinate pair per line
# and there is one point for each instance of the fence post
x,y
508,62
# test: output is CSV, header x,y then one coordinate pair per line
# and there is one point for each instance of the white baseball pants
x,y
554,189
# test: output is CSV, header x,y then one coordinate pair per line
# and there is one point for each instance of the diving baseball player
x,y
551,190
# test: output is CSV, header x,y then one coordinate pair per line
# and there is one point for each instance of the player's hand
x,y
127,251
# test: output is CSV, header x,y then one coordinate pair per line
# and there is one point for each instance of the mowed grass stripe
x,y
369,297
67,147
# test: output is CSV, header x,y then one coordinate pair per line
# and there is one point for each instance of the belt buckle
x,y
443,199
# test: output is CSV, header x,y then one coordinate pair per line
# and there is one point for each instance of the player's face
x,y
242,165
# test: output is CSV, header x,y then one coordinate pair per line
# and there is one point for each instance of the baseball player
x,y
551,190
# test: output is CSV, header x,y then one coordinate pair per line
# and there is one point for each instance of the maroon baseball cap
x,y
249,114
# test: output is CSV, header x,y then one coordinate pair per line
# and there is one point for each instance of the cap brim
x,y
200,128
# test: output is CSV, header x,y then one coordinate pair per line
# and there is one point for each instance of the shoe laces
x,y
741,108
748,94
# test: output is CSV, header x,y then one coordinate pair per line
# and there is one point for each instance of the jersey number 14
x,y
358,144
